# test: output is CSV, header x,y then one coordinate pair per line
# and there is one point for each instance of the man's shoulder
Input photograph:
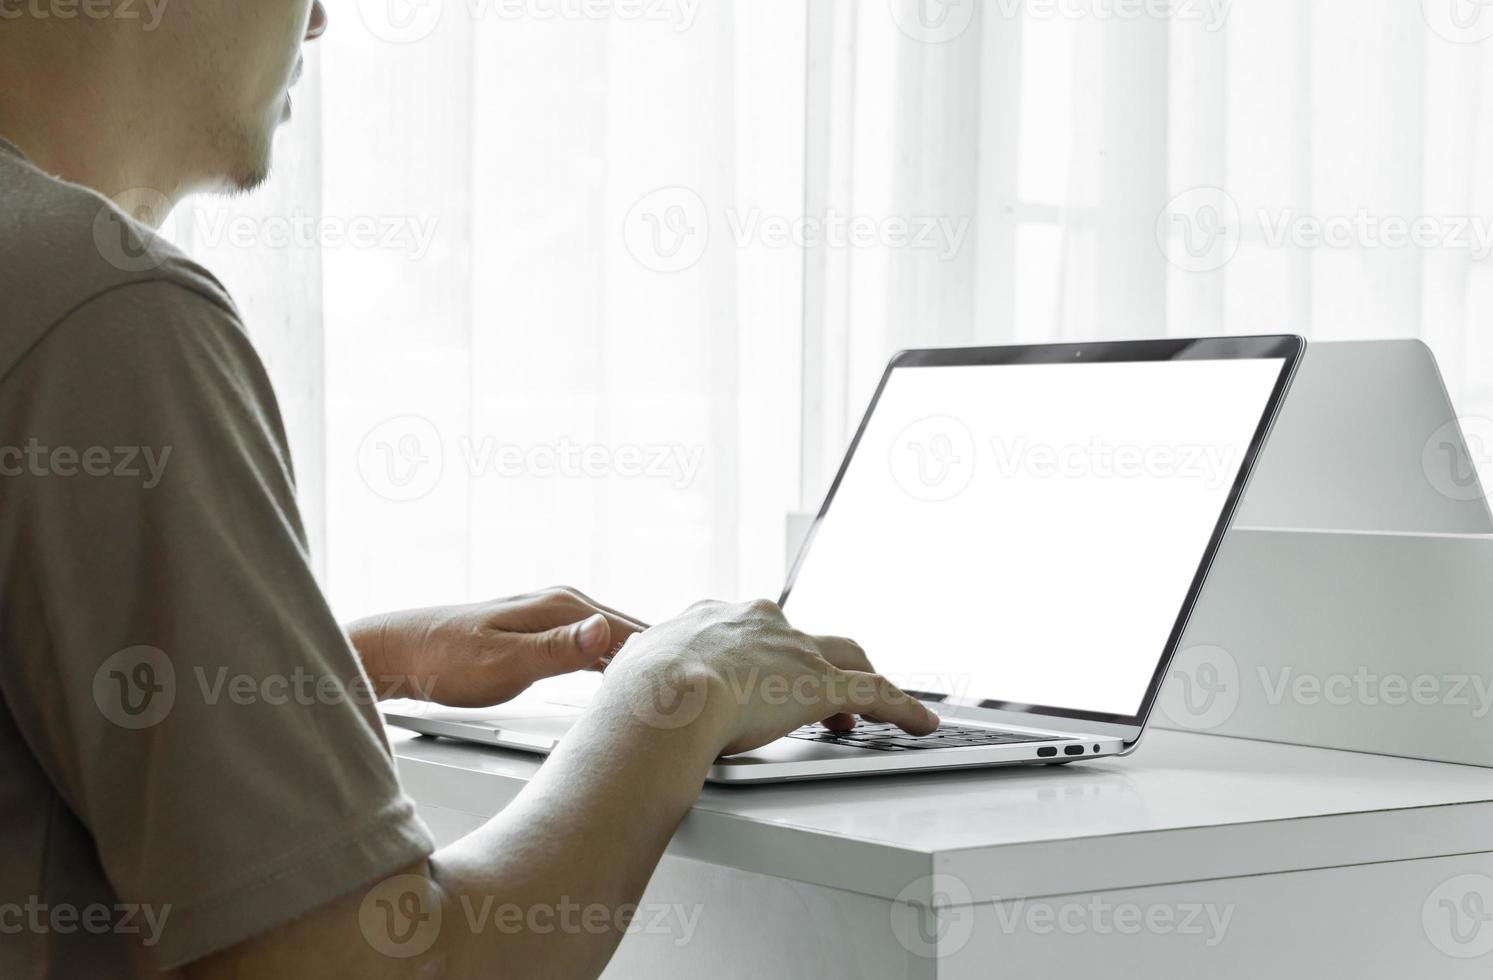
x,y
63,247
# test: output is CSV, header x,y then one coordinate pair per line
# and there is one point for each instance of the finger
x,y
847,655
632,623
566,649
562,608
843,653
872,695
839,723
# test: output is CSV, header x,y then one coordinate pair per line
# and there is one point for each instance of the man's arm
x,y
587,831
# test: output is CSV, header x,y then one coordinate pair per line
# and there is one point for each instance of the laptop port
x,y
1047,750
1073,750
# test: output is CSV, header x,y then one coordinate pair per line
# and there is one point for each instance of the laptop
x,y
1017,536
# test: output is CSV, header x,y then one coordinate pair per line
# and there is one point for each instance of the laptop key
x,y
883,737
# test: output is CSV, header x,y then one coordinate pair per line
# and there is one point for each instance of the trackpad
x,y
530,723
552,727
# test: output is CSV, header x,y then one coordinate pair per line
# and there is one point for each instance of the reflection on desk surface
x,y
1175,780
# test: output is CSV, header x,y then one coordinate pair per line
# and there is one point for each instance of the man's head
x,y
174,95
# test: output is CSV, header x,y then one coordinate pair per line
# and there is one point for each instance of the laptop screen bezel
x,y
1286,348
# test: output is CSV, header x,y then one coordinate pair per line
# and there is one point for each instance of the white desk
x,y
1200,856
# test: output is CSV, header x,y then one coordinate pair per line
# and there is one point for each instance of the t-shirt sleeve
x,y
169,655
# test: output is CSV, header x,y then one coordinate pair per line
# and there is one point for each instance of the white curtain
x,y
1135,169
537,334
594,292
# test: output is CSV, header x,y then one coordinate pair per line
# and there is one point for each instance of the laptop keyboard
x,y
890,738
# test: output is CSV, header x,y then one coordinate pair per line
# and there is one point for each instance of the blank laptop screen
x,y
1028,533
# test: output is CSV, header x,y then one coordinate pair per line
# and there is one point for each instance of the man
x,y
190,783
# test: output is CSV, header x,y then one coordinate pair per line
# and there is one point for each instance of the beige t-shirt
x,y
189,755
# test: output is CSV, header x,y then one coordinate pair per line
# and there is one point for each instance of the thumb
x,y
575,647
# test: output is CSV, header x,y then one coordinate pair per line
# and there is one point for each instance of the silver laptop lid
x,y
1023,531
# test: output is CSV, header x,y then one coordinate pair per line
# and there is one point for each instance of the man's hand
x,y
478,655
747,671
